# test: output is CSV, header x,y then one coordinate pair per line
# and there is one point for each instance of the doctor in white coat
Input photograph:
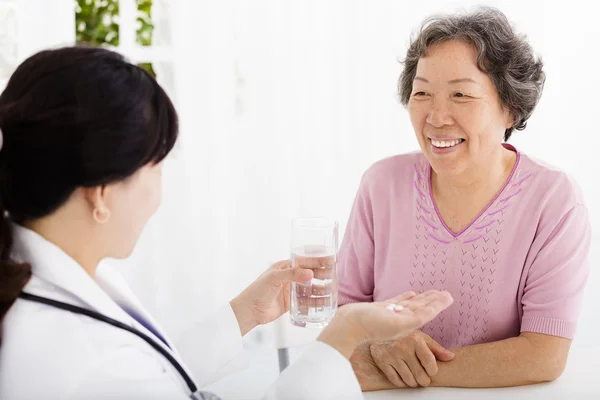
x,y
83,134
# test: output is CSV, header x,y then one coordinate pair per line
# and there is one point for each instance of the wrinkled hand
x,y
368,374
268,297
411,361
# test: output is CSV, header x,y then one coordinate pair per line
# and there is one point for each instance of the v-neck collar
x,y
485,209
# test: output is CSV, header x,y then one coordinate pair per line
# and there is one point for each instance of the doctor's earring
x,y
101,215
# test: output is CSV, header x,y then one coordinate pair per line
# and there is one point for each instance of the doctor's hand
x,y
359,323
268,297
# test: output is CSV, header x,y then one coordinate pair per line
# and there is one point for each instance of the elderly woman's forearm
x,y
523,360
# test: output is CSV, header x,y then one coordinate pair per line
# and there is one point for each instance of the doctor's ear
x,y
97,198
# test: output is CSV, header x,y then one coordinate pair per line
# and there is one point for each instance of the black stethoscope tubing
x,y
103,318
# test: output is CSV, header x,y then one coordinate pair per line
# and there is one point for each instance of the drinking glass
x,y
315,247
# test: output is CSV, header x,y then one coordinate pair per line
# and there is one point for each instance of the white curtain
x,y
27,26
283,106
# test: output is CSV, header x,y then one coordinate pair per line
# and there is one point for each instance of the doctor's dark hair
x,y
72,117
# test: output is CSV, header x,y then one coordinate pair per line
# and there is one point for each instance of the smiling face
x,y
455,110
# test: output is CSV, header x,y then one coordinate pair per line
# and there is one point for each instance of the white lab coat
x,y
49,353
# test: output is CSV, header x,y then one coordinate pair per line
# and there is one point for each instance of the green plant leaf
x,y
93,15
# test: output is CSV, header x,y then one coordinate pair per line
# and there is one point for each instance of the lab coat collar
x,y
58,276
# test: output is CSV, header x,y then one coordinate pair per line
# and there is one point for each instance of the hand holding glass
x,y
314,246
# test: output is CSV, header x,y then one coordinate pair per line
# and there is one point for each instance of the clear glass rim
x,y
314,222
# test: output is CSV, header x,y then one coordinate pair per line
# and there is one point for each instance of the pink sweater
x,y
521,265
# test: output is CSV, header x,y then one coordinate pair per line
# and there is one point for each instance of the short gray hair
x,y
507,58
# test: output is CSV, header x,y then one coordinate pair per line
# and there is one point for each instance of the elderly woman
x,y
507,235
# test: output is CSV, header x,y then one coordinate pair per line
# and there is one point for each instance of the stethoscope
x,y
117,324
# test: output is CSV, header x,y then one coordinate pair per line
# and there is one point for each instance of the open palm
x,y
377,322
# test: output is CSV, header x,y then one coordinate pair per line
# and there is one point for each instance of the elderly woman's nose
x,y
438,114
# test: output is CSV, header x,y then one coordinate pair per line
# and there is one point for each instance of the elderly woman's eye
x,y
458,94
416,94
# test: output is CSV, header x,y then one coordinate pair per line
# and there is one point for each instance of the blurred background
x,y
283,105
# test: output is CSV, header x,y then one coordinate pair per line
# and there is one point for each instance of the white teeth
x,y
442,143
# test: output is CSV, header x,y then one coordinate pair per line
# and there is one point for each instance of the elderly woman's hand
x,y
410,361
368,374
268,297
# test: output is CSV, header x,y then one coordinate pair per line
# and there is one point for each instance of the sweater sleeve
x,y
356,256
555,283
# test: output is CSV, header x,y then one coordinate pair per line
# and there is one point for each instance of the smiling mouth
x,y
441,144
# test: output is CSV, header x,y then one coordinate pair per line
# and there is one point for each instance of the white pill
x,y
394,307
